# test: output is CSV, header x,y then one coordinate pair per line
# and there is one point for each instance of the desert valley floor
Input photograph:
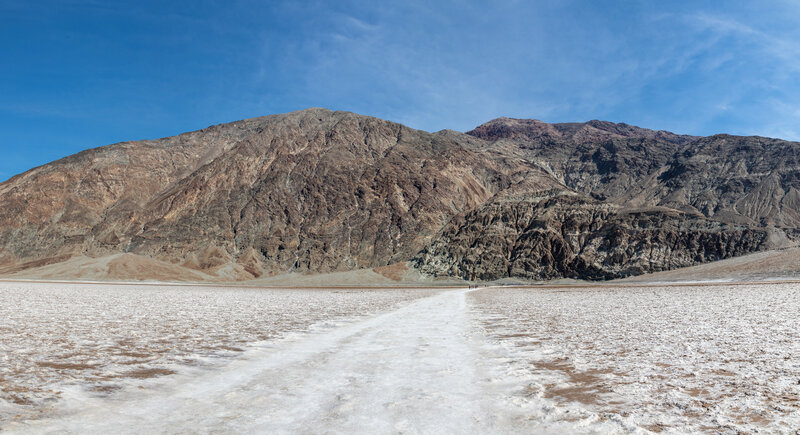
x,y
630,358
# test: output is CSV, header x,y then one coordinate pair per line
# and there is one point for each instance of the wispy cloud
x,y
141,71
361,24
786,125
783,49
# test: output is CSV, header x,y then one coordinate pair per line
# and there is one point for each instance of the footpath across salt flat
x,y
423,368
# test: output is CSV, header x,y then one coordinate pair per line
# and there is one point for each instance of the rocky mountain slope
x,y
568,236
317,191
748,180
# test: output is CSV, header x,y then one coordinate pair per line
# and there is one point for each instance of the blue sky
x,y
83,73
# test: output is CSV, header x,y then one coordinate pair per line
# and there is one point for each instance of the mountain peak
x,y
515,128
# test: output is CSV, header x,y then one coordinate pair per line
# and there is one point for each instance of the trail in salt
x,y
491,361
413,369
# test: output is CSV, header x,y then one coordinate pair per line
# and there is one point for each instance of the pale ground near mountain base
x,y
779,264
137,268
81,358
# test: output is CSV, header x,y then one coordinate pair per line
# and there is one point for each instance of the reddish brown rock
x,y
319,191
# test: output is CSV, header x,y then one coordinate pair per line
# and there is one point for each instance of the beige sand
x,y
137,268
762,266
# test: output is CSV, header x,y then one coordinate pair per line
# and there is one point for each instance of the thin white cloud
x,y
781,48
784,126
360,24
433,67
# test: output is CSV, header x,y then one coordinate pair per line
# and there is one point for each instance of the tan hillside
x,y
317,192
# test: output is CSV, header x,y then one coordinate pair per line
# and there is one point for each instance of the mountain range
x,y
318,191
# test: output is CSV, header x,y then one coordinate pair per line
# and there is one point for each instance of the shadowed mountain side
x,y
567,236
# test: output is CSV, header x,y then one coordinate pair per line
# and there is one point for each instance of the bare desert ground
x,y
137,268
774,265
89,358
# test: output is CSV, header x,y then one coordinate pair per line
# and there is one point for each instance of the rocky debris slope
x,y
317,191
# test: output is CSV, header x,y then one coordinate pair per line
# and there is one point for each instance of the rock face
x,y
76,204
566,236
319,191
748,180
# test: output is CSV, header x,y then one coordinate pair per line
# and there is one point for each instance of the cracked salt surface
x,y
711,358
56,339
604,360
